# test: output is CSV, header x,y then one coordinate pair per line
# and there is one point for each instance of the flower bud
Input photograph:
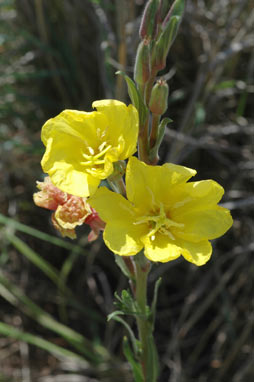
x,y
169,31
148,27
163,10
158,103
142,64
176,9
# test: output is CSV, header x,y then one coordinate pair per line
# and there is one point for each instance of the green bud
x,y
163,9
158,103
148,27
176,9
142,63
169,31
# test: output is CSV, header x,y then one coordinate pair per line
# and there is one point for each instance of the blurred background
x,y
55,293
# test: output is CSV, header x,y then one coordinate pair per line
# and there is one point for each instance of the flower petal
x,y
148,185
203,224
121,235
123,125
123,238
197,253
195,196
73,123
161,248
111,206
65,177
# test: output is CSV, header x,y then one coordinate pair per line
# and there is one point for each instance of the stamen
x,y
158,223
102,146
101,153
91,150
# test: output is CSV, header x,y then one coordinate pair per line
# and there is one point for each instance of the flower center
x,y
93,158
158,222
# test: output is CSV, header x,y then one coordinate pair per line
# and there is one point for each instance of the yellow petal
x,y
71,124
197,253
203,224
123,238
65,177
123,124
111,206
161,248
195,196
120,235
148,185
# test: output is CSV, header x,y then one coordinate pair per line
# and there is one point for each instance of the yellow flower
x,y
81,147
164,214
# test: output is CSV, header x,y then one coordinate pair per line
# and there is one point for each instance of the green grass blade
x,y
40,235
16,297
34,257
12,332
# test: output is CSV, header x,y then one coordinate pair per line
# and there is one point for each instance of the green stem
x,y
154,131
143,320
143,153
149,87
117,184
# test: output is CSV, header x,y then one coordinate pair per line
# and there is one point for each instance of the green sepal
x,y
136,367
136,98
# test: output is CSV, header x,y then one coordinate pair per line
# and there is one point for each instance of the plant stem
x,y
143,142
154,131
144,325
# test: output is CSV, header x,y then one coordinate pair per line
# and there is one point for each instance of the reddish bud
x,y
148,27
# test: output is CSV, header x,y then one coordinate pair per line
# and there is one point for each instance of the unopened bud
x,y
169,31
159,98
148,27
142,64
176,9
163,9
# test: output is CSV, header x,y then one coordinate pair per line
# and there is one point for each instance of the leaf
x,y
122,265
135,97
115,316
153,153
152,367
155,297
136,367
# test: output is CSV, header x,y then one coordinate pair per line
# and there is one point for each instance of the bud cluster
x,y
159,27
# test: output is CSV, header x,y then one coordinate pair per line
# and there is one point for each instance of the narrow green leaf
x,y
161,132
136,367
155,297
120,262
132,90
115,316
136,98
153,362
